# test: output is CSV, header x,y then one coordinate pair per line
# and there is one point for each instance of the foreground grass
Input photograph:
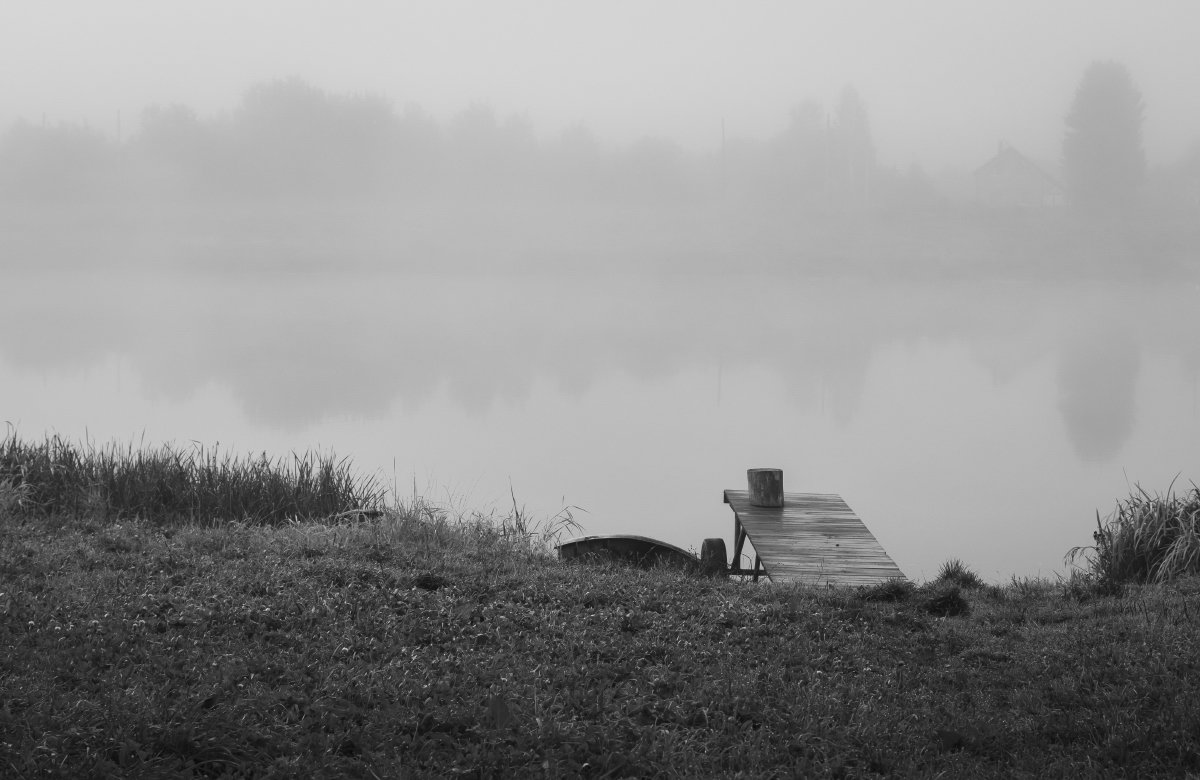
x,y
180,613
414,645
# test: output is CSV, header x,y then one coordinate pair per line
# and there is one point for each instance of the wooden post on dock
x,y
766,487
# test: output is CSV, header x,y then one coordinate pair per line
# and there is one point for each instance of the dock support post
x,y
739,539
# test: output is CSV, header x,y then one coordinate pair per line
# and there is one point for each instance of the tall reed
x,y
168,484
1147,538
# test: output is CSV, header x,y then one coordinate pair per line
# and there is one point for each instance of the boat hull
x,y
640,551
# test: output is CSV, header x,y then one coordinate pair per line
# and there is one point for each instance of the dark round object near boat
x,y
712,557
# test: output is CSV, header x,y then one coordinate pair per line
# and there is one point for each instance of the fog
x,y
945,80
938,257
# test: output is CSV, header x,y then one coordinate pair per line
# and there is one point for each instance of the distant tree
x,y
59,162
577,163
179,154
297,138
172,130
419,151
801,152
653,169
490,153
1103,160
853,152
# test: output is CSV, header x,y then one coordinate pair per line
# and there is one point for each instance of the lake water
x,y
983,421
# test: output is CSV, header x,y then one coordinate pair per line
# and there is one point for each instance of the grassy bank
x,y
416,643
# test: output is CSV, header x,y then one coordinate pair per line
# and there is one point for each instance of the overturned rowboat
x,y
641,551
645,553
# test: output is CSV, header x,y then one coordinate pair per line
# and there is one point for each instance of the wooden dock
x,y
814,538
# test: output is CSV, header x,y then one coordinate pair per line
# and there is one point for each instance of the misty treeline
x,y
288,138
813,192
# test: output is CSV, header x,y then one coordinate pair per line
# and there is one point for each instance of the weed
x,y
893,589
1147,538
956,572
943,599
1083,585
172,485
15,497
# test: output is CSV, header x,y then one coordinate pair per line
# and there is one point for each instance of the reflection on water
x,y
1098,375
940,412
299,348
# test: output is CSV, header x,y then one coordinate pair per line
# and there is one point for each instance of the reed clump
x,y
955,572
1146,539
173,485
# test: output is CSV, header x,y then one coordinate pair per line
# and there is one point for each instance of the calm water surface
x,y
983,421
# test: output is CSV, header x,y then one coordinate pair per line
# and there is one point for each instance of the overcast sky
x,y
943,80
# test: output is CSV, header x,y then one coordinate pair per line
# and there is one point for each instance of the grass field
x,y
413,641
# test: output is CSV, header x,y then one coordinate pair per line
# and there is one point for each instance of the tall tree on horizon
x,y
1103,159
852,150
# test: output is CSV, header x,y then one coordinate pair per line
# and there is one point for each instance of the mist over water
x,y
982,420
977,357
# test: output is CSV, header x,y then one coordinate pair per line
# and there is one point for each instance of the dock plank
x,y
813,538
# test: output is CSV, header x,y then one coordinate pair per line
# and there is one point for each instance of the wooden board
x,y
814,538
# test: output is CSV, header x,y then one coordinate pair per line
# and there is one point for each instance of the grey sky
x,y
943,80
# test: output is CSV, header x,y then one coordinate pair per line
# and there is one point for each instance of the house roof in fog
x,y
1009,162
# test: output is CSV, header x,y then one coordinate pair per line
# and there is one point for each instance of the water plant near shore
x,y
1146,538
956,572
169,484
